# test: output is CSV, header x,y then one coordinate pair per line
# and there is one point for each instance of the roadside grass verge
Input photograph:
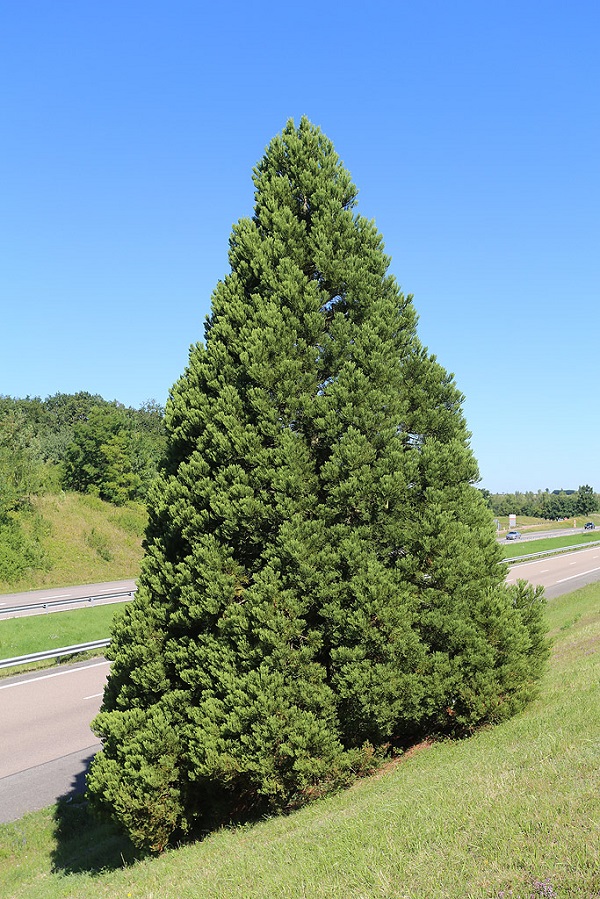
x,y
516,548
35,633
83,540
535,525
513,811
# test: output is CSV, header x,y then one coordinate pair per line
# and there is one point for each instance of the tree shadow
x,y
83,841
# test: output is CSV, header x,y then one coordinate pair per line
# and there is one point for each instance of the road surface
x,y
45,739
560,574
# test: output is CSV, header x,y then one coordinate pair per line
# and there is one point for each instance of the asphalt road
x,y
45,740
560,574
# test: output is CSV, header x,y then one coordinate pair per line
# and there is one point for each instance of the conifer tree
x,y
321,577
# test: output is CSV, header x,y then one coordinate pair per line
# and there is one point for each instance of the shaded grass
x,y
83,540
512,811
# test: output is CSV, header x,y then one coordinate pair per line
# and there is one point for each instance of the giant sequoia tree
x,y
321,578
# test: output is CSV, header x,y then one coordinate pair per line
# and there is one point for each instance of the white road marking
x,y
56,674
581,574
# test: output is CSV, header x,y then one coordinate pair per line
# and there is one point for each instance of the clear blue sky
x,y
472,130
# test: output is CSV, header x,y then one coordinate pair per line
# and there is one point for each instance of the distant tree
x,y
585,501
114,452
558,505
321,576
486,496
81,442
86,461
118,482
61,413
21,474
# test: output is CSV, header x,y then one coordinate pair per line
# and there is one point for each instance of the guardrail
x,y
53,653
553,552
68,602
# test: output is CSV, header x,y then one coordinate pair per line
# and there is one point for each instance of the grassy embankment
x,y
84,540
514,811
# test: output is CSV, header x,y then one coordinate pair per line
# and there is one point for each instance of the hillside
x,y
82,540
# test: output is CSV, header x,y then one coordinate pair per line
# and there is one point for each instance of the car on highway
x,y
513,535
589,526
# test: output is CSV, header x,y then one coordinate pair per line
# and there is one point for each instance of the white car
x,y
513,535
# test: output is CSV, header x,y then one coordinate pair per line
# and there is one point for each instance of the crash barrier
x,y
53,653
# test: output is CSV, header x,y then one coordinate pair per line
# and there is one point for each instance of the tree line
x,y
77,442
547,504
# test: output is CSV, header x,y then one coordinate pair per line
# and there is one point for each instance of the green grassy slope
x,y
514,811
85,540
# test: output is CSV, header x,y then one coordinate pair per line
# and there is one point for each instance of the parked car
x,y
513,535
589,526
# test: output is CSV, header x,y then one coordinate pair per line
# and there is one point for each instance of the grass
x,y
525,522
514,811
35,633
84,540
516,548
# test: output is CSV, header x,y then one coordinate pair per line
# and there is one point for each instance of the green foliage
x,y
114,453
140,785
321,576
546,504
21,472
586,501
81,442
20,550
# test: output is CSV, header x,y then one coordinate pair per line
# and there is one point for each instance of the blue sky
x,y
472,130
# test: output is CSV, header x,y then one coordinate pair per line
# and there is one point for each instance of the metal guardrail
x,y
553,552
67,602
53,653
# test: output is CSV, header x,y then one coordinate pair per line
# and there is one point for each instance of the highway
x,y
560,574
46,743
